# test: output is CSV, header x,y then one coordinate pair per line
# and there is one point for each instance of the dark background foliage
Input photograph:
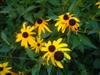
x,y
85,45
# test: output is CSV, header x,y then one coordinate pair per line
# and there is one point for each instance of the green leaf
x,y
96,64
81,68
28,17
30,8
86,41
30,53
36,69
4,38
43,70
4,49
54,2
59,72
75,41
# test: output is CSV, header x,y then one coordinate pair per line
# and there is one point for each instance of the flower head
x,y
64,22
41,25
38,44
4,68
98,4
25,36
52,50
73,24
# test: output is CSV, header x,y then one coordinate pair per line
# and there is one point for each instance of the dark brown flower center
x,y
52,48
39,21
72,22
65,17
1,68
59,55
25,34
8,73
38,44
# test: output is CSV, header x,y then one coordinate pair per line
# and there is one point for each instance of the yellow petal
x,y
43,30
39,31
31,40
18,37
5,64
45,55
47,29
44,49
63,45
64,49
59,27
9,68
59,64
67,56
23,42
53,61
97,3
49,42
59,40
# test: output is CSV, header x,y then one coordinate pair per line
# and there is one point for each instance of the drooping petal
x,y
45,55
47,28
59,64
53,61
67,56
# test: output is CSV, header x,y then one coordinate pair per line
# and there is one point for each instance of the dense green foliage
x,y
85,44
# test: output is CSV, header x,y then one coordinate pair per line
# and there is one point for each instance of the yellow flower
x,y
4,69
67,21
98,4
41,25
73,24
38,44
25,36
62,21
51,48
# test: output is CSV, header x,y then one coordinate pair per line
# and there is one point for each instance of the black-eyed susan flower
x,y
98,4
67,21
41,25
62,21
73,24
51,47
4,68
38,44
25,36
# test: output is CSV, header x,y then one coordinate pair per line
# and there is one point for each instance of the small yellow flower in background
x,y
51,49
41,25
4,68
25,36
98,4
38,44
67,21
